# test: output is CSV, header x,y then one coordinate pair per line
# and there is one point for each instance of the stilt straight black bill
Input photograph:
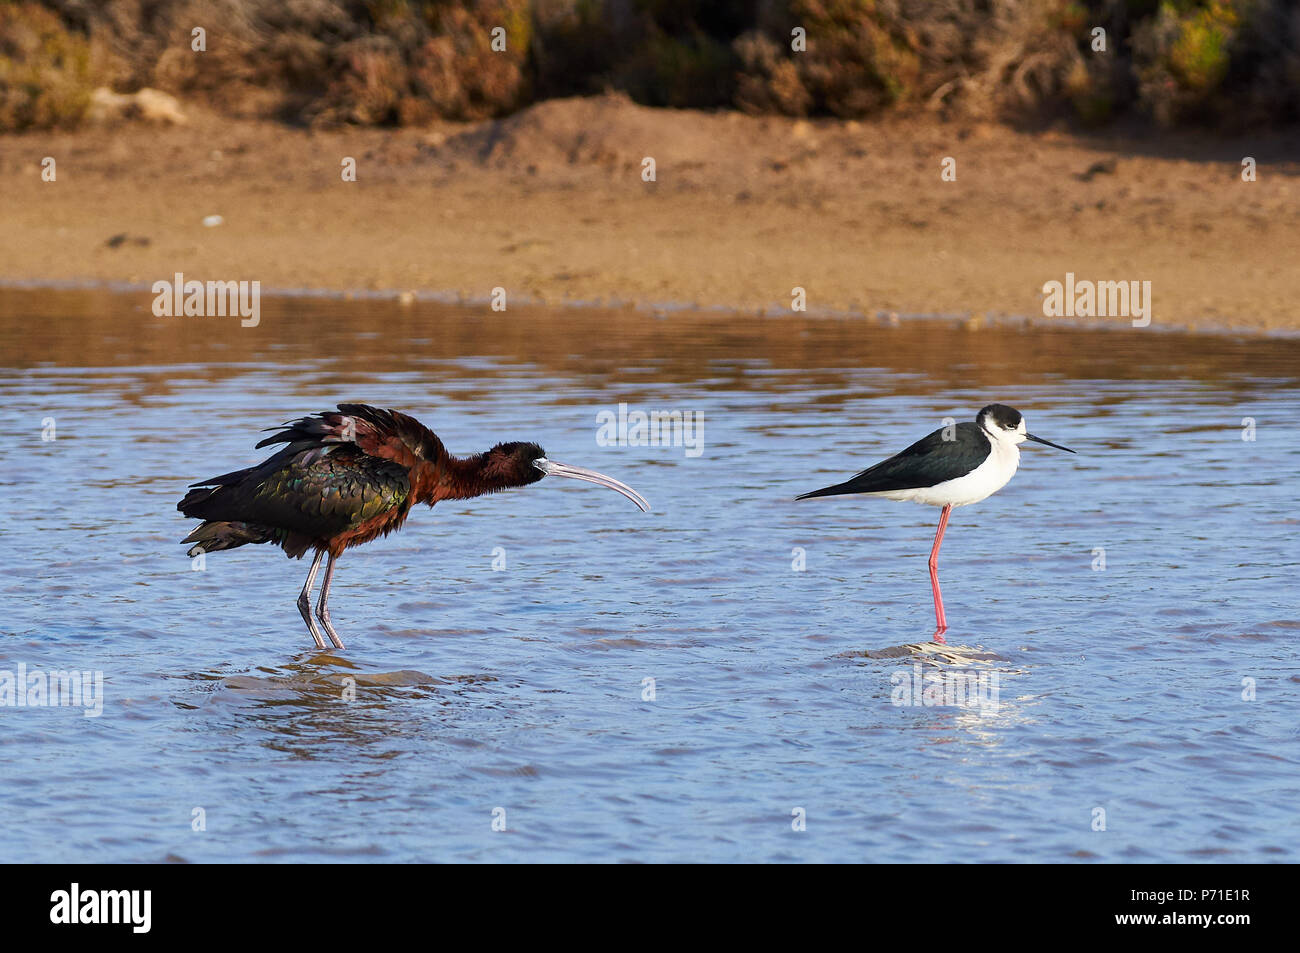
x,y
1049,443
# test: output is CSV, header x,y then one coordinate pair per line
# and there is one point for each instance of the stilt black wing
x,y
946,454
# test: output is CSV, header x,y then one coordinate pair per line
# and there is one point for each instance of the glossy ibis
x,y
344,478
954,466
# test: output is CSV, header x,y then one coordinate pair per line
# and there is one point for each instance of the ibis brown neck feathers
x,y
463,478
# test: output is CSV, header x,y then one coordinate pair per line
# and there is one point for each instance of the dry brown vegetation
x,y
406,62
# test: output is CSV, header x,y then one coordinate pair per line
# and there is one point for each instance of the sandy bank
x,y
551,205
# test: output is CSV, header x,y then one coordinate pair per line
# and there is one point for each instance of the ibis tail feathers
x,y
215,535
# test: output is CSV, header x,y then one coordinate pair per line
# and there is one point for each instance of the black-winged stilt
x,y
954,466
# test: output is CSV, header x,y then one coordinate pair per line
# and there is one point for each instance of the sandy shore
x,y
551,204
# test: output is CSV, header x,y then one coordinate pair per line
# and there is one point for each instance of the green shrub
x,y
45,70
1182,55
1199,57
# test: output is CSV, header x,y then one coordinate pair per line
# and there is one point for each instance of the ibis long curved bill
x,y
551,468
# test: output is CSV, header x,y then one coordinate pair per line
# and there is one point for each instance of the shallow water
x,y
1161,689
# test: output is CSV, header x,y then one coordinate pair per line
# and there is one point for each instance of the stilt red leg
x,y
941,623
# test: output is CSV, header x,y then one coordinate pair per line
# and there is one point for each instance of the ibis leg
x,y
304,601
322,607
941,623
